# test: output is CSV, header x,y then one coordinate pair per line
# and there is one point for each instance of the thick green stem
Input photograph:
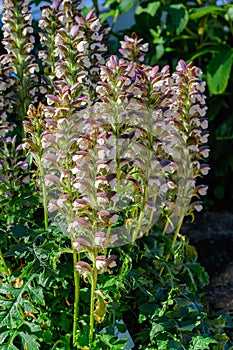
x,y
176,233
76,294
7,271
44,193
96,5
166,226
138,227
149,225
92,304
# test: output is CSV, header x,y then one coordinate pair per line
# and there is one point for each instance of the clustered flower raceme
x,y
187,114
19,70
74,46
60,15
34,126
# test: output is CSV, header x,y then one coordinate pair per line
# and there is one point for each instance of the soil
x,y
212,236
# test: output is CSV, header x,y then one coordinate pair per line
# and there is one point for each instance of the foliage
x,y
96,152
199,31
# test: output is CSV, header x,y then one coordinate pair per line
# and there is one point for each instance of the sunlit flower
x,y
83,268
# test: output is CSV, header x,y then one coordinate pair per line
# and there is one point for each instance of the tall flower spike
x,y
76,45
48,24
18,66
60,14
63,117
188,109
34,126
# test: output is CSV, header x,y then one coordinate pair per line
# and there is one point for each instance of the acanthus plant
x,y
118,145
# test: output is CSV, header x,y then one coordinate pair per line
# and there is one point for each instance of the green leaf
x,y
187,325
148,309
126,5
27,306
162,344
201,343
20,231
29,341
151,9
12,334
105,15
10,314
159,51
109,2
18,250
218,71
37,295
156,328
203,11
9,347
229,13
65,322
200,53
4,335
177,18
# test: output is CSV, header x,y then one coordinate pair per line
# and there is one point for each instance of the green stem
x,y
76,294
149,225
176,233
116,128
194,35
137,228
96,5
23,106
141,216
166,225
44,193
92,304
7,271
